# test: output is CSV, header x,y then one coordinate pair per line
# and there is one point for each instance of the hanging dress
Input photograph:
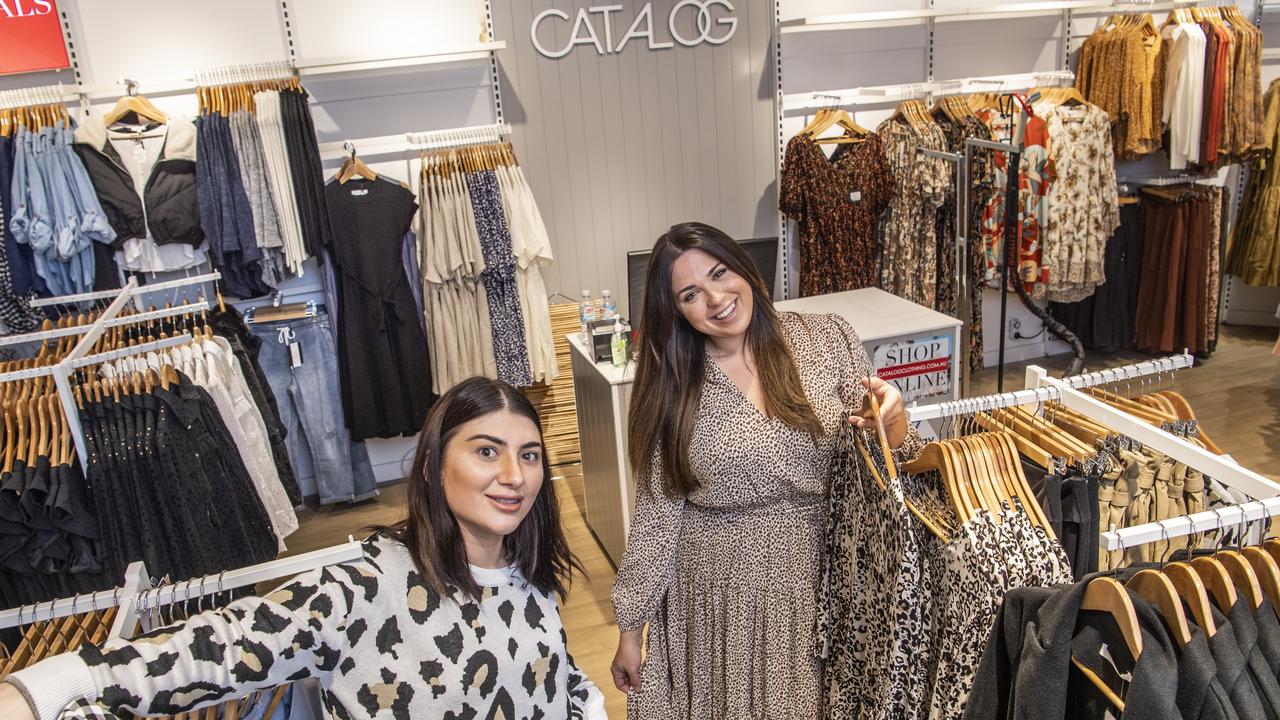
x,y
382,350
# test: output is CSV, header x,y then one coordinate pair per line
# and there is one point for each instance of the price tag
x,y
295,355
855,196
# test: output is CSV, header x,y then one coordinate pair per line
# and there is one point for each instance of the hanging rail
x,y
1207,521
350,551
137,594
884,94
893,18
135,578
417,141
1218,467
1035,395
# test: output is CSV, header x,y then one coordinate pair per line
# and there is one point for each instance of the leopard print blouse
x,y
381,642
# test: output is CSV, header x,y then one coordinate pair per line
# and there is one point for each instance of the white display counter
x,y
917,348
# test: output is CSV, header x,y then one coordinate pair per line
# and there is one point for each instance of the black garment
x,y
225,213
1269,634
306,170
1070,505
1200,692
1026,670
172,214
170,487
1232,668
1105,320
229,324
382,351
1246,632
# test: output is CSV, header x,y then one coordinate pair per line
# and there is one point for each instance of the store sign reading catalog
x,y
712,23
920,367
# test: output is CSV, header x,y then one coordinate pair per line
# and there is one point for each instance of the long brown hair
x,y
669,374
430,532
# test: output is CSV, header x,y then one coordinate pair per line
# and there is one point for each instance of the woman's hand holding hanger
x,y
892,410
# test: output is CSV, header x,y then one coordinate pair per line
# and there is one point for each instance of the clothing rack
x,y
417,141
33,96
1224,470
1206,521
110,317
241,74
141,290
884,94
1165,181
135,578
185,590
893,18
1041,387
136,593
1036,394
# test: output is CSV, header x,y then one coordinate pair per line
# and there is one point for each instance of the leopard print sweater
x,y
381,642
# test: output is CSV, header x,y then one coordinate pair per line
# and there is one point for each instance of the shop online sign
x,y
713,24
31,37
920,367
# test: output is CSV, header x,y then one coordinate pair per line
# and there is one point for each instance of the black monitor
x,y
764,251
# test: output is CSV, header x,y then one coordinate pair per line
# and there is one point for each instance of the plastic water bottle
x,y
610,307
588,313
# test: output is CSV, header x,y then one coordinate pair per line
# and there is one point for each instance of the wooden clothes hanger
x,y
1156,588
1216,581
1267,571
138,105
1106,595
355,167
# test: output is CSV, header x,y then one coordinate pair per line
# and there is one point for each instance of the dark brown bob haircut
x,y
430,532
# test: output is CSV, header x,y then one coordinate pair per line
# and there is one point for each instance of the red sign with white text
x,y
31,37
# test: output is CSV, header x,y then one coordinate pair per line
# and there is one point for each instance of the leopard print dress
x,y
726,577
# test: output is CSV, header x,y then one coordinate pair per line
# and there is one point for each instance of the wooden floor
x,y
1236,395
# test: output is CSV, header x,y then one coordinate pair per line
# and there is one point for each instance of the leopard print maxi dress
x,y
726,578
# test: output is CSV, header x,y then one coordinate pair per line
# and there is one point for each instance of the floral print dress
x,y
1036,173
835,203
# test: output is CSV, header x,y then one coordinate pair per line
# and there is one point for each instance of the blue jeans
x,y
311,408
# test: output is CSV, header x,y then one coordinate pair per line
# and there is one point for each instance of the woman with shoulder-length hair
x,y
450,613
733,420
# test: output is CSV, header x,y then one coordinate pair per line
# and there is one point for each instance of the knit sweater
x,y
381,642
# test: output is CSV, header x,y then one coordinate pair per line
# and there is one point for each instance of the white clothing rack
x,y
136,595
238,74
149,598
39,95
110,318
895,18
886,94
1217,467
1041,387
135,578
1206,521
132,282
1036,394
111,355
416,141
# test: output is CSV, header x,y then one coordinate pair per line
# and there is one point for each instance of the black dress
x,y
383,365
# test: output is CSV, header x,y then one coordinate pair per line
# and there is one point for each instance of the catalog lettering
x,y
25,8
713,24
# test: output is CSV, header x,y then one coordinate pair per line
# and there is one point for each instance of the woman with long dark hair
x,y
732,423
451,613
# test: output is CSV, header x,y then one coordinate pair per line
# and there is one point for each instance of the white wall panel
x,y
384,28
162,41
